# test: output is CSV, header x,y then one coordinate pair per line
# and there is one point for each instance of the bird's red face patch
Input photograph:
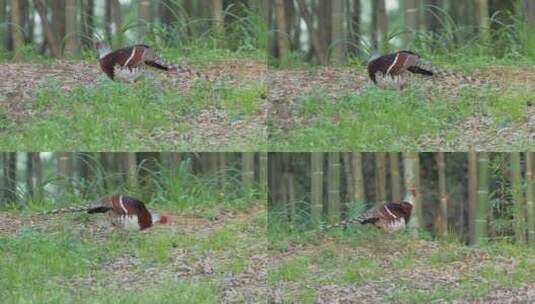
x,y
99,44
164,219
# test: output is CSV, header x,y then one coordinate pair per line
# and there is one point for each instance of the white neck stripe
x,y
390,212
122,205
131,56
393,64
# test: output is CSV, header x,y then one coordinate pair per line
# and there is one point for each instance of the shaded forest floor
x,y
65,105
338,108
350,269
79,258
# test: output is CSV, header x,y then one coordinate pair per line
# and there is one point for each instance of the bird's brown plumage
x,y
389,216
397,64
125,212
133,59
391,70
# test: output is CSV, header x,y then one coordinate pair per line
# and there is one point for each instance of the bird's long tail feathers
x,y
425,68
178,69
154,61
457,75
422,67
344,223
95,208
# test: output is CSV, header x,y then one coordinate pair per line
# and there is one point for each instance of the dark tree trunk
x,y
30,188
314,35
432,23
118,20
168,9
50,34
88,13
354,28
58,20
10,177
374,28
3,20
107,20
324,13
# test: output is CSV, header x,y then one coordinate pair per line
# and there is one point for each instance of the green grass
x,y
36,267
183,292
379,120
118,117
467,291
68,263
407,261
201,56
349,258
175,190
361,270
447,256
222,239
293,270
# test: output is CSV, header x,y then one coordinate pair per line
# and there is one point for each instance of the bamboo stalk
x,y
529,198
482,212
333,210
519,210
472,196
316,161
411,171
442,219
395,176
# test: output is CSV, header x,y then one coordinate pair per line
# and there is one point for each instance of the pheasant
x,y
389,217
125,212
391,70
128,64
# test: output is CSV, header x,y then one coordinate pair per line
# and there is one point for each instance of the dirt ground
x,y
474,133
248,286
212,127
420,276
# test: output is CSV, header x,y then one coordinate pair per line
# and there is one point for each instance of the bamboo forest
x,y
473,197
476,93
214,226
267,151
466,241
206,79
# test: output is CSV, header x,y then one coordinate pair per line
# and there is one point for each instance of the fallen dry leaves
x,y
211,128
477,132
130,272
420,276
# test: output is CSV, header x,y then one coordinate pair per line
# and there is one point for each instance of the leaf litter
x,y
127,271
212,127
478,131
434,266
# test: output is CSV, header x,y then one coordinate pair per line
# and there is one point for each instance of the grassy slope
x,y
156,114
69,259
424,116
361,265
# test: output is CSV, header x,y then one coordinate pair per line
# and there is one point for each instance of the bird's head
x,y
103,48
160,219
410,197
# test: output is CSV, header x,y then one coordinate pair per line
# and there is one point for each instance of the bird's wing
x,y
410,61
370,215
414,64
100,206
